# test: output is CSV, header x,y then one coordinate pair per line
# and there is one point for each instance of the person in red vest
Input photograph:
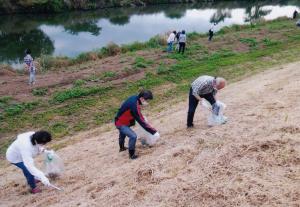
x,y
129,112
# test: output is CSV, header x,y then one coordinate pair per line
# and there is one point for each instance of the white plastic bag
x,y
213,119
54,165
145,137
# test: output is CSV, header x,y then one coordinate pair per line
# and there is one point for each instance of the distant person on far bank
x,y
204,87
29,66
177,41
182,42
170,41
129,112
295,14
211,32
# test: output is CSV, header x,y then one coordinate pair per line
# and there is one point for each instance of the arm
x,y
29,163
136,113
197,97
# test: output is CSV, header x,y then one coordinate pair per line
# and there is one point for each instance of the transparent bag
x,y
54,165
145,137
212,119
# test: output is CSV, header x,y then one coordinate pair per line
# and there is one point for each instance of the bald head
x,y
220,83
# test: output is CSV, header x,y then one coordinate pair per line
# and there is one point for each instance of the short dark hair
x,y
27,51
41,137
146,94
183,32
174,32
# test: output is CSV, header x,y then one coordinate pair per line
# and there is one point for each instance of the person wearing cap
x,y
128,113
204,87
21,153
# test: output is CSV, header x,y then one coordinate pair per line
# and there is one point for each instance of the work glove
x,y
45,181
215,109
156,135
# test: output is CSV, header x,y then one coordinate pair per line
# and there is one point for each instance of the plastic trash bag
x,y
145,137
54,165
213,119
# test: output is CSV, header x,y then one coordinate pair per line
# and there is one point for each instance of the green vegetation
x,y
88,104
40,91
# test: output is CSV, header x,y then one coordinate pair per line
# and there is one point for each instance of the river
x,y
71,33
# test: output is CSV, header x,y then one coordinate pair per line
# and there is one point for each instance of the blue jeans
x,y
32,77
170,47
29,177
126,131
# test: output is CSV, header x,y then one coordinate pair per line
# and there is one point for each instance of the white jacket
x,y
22,150
171,38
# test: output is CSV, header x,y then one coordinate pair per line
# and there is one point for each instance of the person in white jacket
x,y
21,153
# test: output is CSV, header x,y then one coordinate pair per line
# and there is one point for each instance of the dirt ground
x,y
253,160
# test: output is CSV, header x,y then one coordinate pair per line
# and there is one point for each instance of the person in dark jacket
x,y
129,112
295,14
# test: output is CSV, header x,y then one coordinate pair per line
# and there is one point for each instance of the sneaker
x,y
123,149
35,190
133,157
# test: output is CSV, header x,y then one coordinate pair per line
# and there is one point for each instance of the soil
x,y
252,160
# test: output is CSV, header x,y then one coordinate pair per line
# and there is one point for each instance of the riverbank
x,y
85,95
252,160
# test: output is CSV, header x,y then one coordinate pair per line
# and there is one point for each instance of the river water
x,y
71,33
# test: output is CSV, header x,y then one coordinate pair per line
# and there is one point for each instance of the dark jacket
x,y
130,112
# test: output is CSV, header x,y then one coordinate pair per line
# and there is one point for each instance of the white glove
x,y
156,135
45,181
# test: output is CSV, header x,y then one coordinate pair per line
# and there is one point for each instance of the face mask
x,y
144,103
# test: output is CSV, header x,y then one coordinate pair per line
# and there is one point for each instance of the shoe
x,y
123,149
35,190
190,126
132,154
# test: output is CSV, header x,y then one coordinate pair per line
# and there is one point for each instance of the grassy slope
x,y
236,52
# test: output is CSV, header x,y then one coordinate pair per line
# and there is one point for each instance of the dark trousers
x,y
181,47
193,103
210,34
29,177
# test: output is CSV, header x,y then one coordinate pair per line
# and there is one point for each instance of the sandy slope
x,y
253,160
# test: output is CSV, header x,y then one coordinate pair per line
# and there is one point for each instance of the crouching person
x,y
129,112
21,153
204,87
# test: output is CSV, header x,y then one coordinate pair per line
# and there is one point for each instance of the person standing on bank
x,y
182,41
211,32
170,41
129,112
295,14
21,152
204,87
29,65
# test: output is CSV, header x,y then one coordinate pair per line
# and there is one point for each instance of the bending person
x,y
204,87
21,153
130,112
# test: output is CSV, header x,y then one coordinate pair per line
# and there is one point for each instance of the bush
x,y
113,49
268,42
156,42
79,82
77,92
39,91
251,42
109,74
17,109
132,47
